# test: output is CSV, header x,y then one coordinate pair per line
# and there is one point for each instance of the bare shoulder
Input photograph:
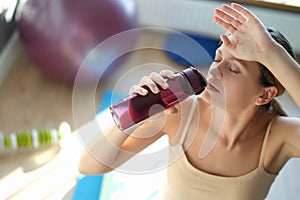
x,y
286,130
283,143
286,126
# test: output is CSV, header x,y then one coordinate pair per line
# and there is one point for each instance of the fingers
x,y
167,74
225,20
136,89
227,26
226,41
248,14
236,15
159,80
154,82
231,17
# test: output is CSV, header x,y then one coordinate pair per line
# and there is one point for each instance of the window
x,y
288,5
295,3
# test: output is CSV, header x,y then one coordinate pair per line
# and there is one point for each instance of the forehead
x,y
247,65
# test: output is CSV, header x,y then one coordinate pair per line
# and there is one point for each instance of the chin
x,y
214,99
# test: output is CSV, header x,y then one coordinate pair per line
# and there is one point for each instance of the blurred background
x,y
59,58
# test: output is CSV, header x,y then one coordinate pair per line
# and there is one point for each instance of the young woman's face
x,y
232,83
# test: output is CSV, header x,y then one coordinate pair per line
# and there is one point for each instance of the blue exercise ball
x,y
59,34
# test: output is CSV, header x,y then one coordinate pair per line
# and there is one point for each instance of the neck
x,y
235,127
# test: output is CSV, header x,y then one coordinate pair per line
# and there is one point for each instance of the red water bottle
x,y
136,108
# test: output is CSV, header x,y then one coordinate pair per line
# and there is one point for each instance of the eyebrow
x,y
240,64
235,60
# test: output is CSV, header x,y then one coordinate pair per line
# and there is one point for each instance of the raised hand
x,y
249,39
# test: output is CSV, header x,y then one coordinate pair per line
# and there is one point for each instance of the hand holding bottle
x,y
155,82
154,94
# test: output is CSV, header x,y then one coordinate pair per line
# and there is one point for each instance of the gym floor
x,y
30,99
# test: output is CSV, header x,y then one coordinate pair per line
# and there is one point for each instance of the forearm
x,y
106,147
102,156
102,141
285,69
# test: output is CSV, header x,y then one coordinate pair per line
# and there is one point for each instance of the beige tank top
x,y
185,182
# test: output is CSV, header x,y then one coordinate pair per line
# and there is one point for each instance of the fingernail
x,y
144,91
165,85
173,75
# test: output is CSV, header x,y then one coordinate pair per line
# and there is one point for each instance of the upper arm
x,y
289,129
283,144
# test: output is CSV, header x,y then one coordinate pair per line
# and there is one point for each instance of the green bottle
x,y
33,139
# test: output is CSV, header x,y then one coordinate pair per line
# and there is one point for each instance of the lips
x,y
212,87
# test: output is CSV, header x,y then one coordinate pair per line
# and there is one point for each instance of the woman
x,y
236,138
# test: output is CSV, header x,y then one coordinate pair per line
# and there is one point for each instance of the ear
x,y
267,95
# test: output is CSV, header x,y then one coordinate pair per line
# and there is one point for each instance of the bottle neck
x,y
196,79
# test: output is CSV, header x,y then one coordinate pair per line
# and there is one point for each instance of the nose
x,y
215,71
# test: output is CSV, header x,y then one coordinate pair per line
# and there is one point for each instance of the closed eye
x,y
234,69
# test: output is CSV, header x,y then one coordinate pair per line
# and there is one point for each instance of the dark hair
x,y
268,79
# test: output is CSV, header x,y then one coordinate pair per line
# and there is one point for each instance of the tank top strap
x,y
189,119
264,146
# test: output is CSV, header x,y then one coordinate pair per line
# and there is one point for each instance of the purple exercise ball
x,y
59,34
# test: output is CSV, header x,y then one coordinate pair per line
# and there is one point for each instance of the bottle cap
x,y
196,79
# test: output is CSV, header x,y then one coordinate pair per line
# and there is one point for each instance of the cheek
x,y
240,91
